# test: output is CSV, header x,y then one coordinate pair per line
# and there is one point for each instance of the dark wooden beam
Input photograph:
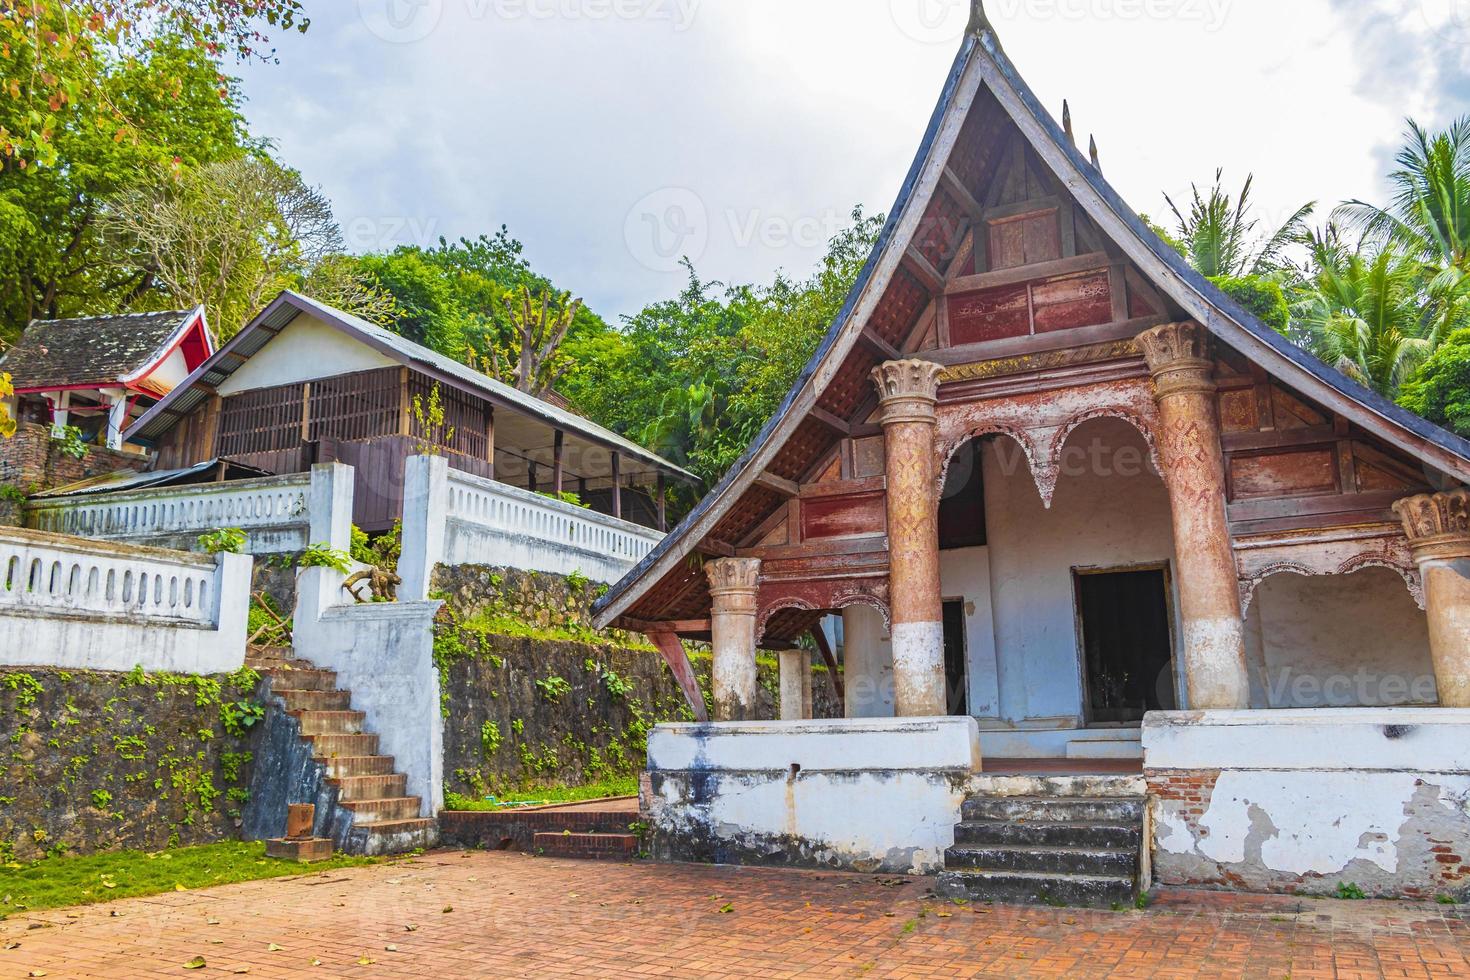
x,y
662,504
880,346
1029,273
956,189
556,467
717,547
778,484
924,270
830,421
674,655
617,485
819,636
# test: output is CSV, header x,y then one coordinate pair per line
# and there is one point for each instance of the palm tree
x,y
1429,219
1218,235
1363,312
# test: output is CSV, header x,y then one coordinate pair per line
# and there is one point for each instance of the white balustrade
x,y
76,602
174,514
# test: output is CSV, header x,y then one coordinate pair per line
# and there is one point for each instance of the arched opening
x,y
1338,641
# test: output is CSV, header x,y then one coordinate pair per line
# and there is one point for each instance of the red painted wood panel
x,y
1077,301
1238,410
990,314
842,517
1288,474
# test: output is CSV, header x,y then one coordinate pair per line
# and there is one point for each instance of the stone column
x,y
908,392
867,664
1194,470
732,585
796,685
1438,526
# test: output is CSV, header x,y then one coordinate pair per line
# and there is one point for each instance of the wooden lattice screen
x,y
261,421
362,405
467,415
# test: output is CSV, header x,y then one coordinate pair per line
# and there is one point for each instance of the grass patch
x,y
60,882
619,786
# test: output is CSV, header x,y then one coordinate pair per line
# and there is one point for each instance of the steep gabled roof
x,y
286,307
95,351
982,70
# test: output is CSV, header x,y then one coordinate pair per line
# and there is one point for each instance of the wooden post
x,y
617,485
306,412
830,659
405,404
531,476
662,506
556,467
490,439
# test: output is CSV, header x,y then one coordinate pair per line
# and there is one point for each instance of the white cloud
x,y
557,117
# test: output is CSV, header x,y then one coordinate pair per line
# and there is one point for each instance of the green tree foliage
x,y
1364,313
1217,234
1440,391
53,257
696,377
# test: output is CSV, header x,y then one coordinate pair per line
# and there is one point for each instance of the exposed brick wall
x,y
31,461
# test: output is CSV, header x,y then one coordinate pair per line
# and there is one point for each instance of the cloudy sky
x,y
603,132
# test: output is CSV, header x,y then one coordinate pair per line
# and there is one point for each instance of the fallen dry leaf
x,y
197,963
180,888
365,961
391,947
273,948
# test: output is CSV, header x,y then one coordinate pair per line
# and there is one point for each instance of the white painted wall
x,y
867,664
1112,513
1338,640
88,605
172,372
305,350
965,574
1310,798
873,795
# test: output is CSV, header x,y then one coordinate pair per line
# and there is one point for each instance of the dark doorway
x,y
1127,644
956,678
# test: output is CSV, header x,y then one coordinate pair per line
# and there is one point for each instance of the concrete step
x,y
327,746
393,836
330,722
390,785
1109,810
383,809
302,678
1033,888
343,766
301,700
1094,862
608,847
260,656
997,833
1112,748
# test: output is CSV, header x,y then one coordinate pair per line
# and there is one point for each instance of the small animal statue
x,y
382,585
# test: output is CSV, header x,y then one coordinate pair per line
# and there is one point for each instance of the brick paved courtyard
x,y
454,914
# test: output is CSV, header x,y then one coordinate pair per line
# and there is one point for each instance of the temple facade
x,y
1108,553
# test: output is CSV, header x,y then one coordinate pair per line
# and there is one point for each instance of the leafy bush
x,y
1259,295
381,551
325,556
490,738
238,717
553,688
68,439
226,540
1440,389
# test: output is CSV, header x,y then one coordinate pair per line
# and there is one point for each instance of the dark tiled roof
x,y
89,349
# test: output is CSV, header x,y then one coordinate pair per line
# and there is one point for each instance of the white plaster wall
x,y
876,795
306,349
1340,641
1110,510
867,664
171,373
965,574
1310,798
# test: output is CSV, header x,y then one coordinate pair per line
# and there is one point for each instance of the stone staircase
x,y
369,809
600,830
1056,842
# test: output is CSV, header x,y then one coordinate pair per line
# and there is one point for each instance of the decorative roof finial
x,y
978,21
1092,151
1067,122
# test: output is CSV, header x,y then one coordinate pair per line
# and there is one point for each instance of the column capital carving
x,y
1178,356
907,390
1438,524
734,578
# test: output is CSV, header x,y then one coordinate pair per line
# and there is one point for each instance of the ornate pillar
x,y
732,585
908,392
1194,470
1438,526
796,685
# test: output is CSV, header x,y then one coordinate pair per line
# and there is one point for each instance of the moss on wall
x,y
533,696
95,760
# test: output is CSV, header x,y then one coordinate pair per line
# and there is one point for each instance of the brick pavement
x,y
482,914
